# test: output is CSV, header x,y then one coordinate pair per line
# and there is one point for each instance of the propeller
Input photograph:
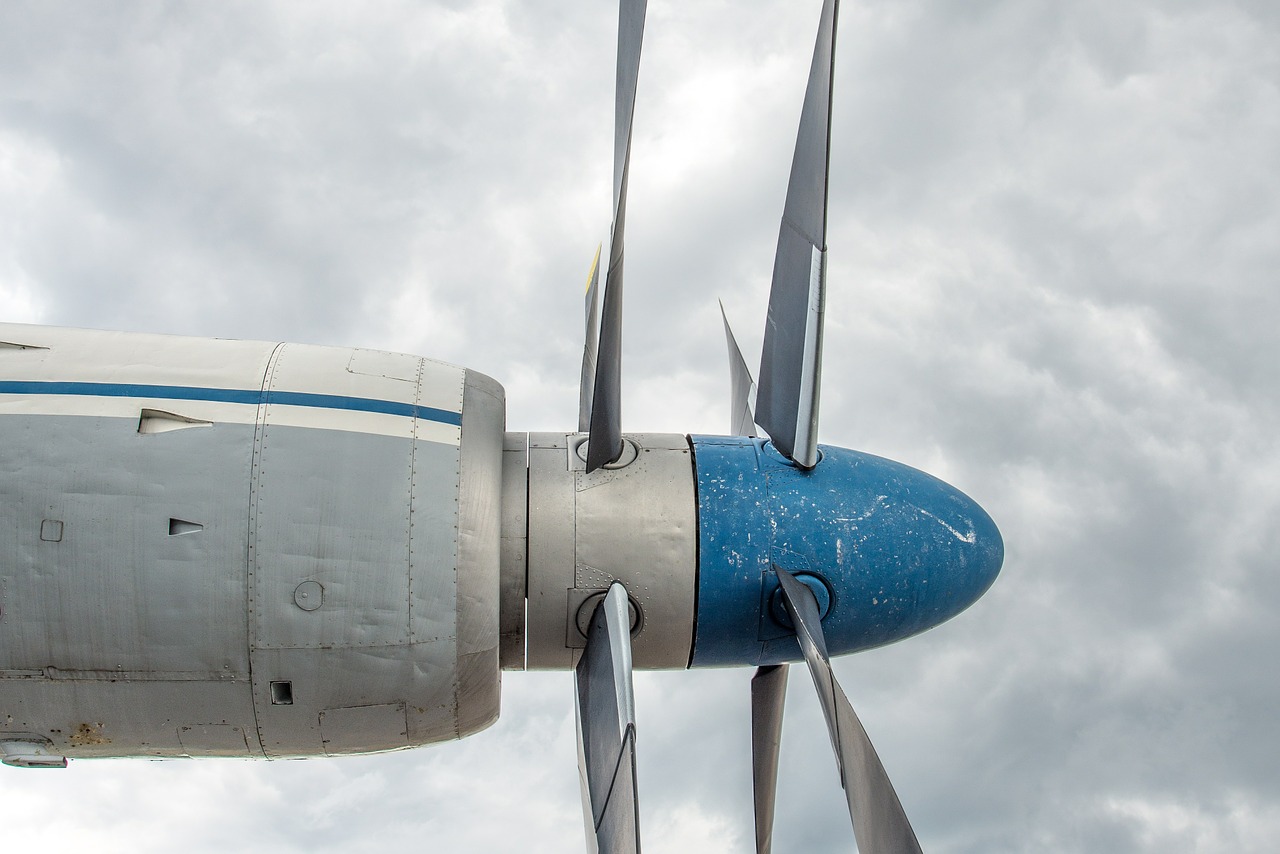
x,y
768,691
586,388
605,445
741,421
791,363
607,729
879,823
787,408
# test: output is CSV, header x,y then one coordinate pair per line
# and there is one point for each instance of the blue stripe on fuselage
x,y
251,397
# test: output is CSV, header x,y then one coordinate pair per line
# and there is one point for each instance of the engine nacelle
x,y
238,548
244,549
695,528
633,521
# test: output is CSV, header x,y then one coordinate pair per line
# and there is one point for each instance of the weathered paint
x,y
635,523
156,619
898,550
235,548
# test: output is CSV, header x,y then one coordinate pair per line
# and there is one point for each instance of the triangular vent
x,y
159,421
178,527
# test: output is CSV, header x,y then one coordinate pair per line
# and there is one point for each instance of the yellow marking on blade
x,y
595,266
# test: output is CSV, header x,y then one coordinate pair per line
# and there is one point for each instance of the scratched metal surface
x,y
636,524
894,550
129,634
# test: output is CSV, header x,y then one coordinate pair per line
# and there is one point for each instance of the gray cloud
x,y
1053,255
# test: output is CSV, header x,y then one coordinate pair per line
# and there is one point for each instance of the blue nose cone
x,y
890,551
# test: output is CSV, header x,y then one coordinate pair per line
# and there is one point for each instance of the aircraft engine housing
x,y
237,548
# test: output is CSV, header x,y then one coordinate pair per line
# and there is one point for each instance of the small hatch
x,y
282,693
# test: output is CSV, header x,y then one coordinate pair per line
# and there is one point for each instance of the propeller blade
x,y
768,691
607,729
879,823
741,421
586,388
605,445
791,364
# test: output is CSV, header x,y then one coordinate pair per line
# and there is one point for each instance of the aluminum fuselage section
x,y
234,548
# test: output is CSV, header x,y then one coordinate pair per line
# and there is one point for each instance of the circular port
x,y
816,585
588,608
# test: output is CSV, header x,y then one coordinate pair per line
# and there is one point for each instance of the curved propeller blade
x,y
741,421
586,388
879,823
605,445
791,364
768,691
606,713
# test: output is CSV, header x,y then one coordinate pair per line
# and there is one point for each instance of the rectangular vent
x,y
282,693
178,527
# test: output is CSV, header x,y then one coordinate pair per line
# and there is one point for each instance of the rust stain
x,y
88,735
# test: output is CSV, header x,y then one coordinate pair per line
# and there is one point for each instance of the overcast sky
x,y
1054,252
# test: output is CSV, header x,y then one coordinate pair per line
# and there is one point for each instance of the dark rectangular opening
x,y
282,693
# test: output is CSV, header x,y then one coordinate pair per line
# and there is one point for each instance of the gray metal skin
x,y
165,559
197,577
633,521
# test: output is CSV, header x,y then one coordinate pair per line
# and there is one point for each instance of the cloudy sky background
x,y
1055,239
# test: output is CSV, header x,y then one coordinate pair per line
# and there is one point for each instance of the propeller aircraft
x,y
228,548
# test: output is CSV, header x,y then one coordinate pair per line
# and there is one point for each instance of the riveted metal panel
x,y
95,356
635,524
330,506
368,509
343,525
360,729
99,718
114,632
432,711
550,551
376,363
133,632
433,545
479,547
422,675
213,740
515,531
123,593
